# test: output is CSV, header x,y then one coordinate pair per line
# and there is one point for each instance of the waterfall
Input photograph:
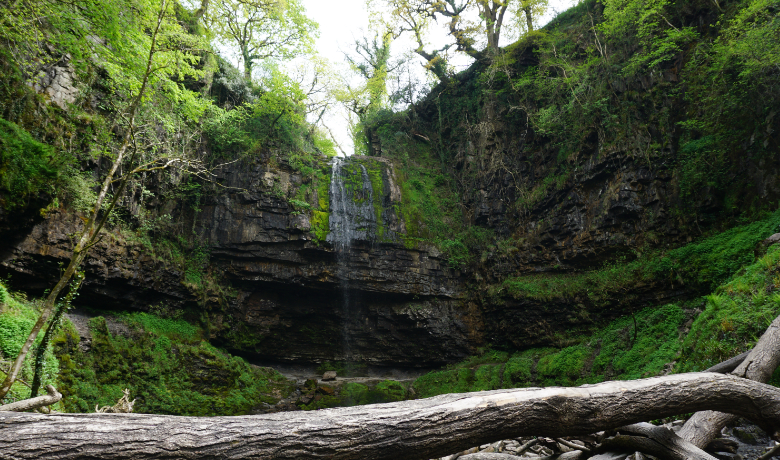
x,y
351,205
352,218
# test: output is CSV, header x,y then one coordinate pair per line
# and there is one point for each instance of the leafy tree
x,y
531,11
262,29
372,62
142,59
469,35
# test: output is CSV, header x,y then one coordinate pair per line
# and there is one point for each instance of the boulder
x,y
763,246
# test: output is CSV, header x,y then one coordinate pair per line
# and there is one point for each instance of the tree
x,y
471,24
142,57
417,429
530,10
262,29
372,62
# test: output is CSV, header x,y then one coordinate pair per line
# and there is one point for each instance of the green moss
x,y
358,394
27,167
325,402
611,354
655,346
518,369
457,380
320,218
391,390
166,366
564,367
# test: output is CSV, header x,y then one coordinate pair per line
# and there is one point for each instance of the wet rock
x,y
330,375
727,456
722,445
744,434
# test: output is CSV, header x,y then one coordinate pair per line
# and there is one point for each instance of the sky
x,y
343,21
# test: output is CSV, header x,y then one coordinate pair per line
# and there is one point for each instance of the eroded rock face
x,y
302,299
120,275
292,296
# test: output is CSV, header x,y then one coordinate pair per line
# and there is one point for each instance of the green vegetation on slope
x,y
166,365
705,264
642,345
17,316
27,167
620,351
735,315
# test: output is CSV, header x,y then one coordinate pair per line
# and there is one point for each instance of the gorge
x,y
555,215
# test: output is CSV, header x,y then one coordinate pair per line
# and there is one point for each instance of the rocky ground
x,y
745,441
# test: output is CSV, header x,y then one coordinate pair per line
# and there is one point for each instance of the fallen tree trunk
x,y
758,366
418,429
51,397
655,440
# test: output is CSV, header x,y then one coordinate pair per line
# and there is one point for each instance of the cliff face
x,y
287,295
299,298
573,162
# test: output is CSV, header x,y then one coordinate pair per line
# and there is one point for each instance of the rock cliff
x,y
288,295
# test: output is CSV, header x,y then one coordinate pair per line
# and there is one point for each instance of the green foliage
x,y
195,266
644,24
703,264
358,394
27,167
735,315
166,365
564,367
17,317
173,328
262,30
619,351
625,357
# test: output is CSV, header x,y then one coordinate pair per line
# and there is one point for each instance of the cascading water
x,y
352,218
351,205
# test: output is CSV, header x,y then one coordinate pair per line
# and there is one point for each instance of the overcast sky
x,y
342,21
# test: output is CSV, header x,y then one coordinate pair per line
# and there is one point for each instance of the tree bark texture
x,y
419,429
758,366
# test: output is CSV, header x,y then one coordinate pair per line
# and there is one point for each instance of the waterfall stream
x,y
351,205
351,218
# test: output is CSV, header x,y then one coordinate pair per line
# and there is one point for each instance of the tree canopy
x,y
262,29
